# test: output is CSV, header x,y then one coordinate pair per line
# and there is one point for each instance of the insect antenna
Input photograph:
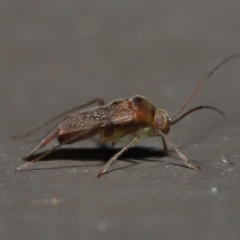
x,y
56,147
173,121
36,129
193,93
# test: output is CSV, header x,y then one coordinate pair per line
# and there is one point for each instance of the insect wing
x,y
116,112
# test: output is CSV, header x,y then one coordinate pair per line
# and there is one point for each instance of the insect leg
x,y
49,137
97,100
56,147
165,147
114,157
38,158
180,154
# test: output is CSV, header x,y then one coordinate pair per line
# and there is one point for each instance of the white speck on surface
x,y
223,159
214,190
230,169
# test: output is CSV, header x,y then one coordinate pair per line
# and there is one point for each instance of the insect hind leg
x,y
99,101
53,134
48,138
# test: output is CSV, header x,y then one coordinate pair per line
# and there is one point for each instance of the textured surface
x,y
58,54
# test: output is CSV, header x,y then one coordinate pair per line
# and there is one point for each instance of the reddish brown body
x,y
130,119
114,121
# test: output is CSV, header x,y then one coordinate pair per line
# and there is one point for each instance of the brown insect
x,y
131,119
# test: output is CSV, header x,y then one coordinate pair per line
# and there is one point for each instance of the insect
x,y
130,119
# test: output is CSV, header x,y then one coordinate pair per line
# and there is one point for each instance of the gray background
x,y
58,54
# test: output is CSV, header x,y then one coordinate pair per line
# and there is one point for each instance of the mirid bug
x,y
130,119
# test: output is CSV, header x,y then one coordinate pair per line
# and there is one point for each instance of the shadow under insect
x,y
102,154
134,156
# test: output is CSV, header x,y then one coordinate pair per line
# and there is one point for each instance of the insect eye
x,y
159,119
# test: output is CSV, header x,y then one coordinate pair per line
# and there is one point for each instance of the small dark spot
x,y
138,100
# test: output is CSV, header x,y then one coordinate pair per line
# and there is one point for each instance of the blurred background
x,y
58,54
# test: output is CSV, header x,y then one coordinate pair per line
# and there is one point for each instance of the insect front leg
x,y
165,147
179,153
115,157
